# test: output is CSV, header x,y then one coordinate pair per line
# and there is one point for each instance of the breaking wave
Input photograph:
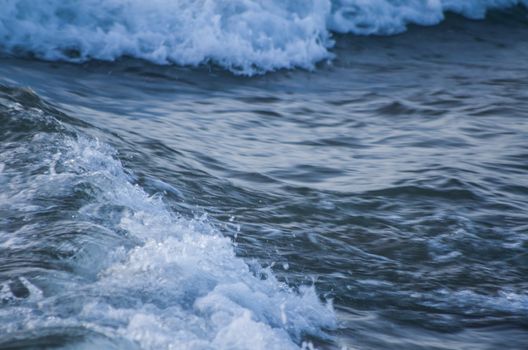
x,y
111,261
244,36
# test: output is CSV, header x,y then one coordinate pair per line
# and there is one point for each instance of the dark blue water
x,y
377,202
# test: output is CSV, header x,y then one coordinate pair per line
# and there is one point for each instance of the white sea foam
x,y
155,278
387,17
244,36
193,291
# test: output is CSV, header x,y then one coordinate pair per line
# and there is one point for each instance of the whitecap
x,y
244,36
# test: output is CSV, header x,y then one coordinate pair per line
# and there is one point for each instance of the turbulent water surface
x,y
163,186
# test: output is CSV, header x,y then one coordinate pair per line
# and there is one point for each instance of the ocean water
x,y
264,174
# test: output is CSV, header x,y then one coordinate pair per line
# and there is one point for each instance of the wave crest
x,y
244,36
146,274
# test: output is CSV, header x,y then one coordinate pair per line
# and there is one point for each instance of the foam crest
x,y
146,274
245,36
386,17
192,289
